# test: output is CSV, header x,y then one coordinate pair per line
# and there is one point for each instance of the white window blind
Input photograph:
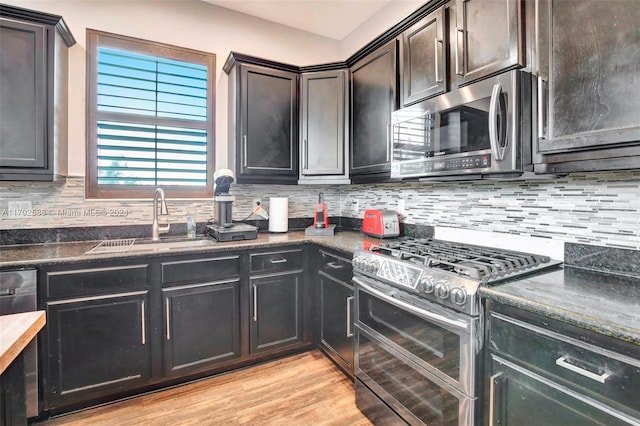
x,y
151,120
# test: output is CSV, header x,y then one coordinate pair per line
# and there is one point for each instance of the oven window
x,y
426,400
431,343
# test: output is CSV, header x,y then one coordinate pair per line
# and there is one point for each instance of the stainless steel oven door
x,y
412,393
440,341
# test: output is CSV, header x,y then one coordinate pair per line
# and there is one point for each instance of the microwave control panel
x,y
482,161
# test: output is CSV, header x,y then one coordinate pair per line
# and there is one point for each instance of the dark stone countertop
x,y
35,255
598,301
603,302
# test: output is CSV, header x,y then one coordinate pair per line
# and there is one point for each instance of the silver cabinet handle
x,y
349,320
305,146
143,322
600,378
459,41
494,383
335,265
245,149
388,143
168,317
255,303
436,44
276,261
498,152
541,108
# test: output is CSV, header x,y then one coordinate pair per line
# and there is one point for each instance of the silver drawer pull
x,y
335,265
602,378
274,261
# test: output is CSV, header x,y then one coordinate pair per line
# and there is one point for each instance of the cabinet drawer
x,y
84,282
282,260
336,266
593,371
200,270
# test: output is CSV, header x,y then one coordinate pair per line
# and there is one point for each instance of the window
x,y
150,119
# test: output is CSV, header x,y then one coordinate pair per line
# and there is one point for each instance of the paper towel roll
x,y
278,214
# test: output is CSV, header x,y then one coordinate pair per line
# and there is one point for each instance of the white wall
x,y
384,19
188,23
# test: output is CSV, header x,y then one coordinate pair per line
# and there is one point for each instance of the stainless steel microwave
x,y
478,131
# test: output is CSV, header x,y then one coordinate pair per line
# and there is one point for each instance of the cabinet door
x,y
97,345
336,320
201,326
322,118
269,131
23,85
276,311
589,58
373,98
423,58
519,397
488,38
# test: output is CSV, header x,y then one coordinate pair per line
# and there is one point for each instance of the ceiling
x,y
329,18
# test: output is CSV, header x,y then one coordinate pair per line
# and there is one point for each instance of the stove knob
x,y
375,265
458,295
442,289
428,284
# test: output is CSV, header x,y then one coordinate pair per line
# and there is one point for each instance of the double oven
x,y
419,327
415,357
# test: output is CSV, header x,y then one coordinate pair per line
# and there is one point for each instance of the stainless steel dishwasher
x,y
18,294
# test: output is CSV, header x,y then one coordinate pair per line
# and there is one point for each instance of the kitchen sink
x,y
133,245
165,245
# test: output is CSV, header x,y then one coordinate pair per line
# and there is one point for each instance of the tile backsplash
x,y
595,208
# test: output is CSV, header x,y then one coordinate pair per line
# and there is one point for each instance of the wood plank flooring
x,y
304,389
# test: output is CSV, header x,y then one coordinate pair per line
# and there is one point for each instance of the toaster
x,y
381,223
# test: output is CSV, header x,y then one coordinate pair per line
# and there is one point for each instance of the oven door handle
x,y
462,325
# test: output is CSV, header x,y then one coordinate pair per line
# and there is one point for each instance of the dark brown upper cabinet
x,y
373,98
263,120
489,38
424,70
33,83
587,88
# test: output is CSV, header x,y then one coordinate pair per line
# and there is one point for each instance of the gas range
x,y
445,272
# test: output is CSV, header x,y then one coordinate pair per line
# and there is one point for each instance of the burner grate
x,y
476,262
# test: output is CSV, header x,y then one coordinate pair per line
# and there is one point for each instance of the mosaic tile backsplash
x,y
595,208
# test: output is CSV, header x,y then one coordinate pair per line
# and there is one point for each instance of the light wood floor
x,y
304,389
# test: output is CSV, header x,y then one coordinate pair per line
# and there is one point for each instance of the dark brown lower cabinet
x,y
520,397
98,345
13,394
201,326
276,311
541,371
336,321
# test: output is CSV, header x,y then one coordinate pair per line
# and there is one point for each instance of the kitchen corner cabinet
x,y
97,333
588,91
374,82
323,127
563,375
201,315
263,121
33,83
336,298
278,317
424,70
489,38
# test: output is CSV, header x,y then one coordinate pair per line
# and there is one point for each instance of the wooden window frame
x,y
96,39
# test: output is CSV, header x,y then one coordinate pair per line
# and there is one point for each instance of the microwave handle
x,y
497,151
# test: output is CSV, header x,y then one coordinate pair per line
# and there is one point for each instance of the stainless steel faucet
x,y
156,228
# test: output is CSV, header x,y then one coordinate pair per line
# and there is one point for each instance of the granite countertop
x,y
599,301
16,331
607,303
34,255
